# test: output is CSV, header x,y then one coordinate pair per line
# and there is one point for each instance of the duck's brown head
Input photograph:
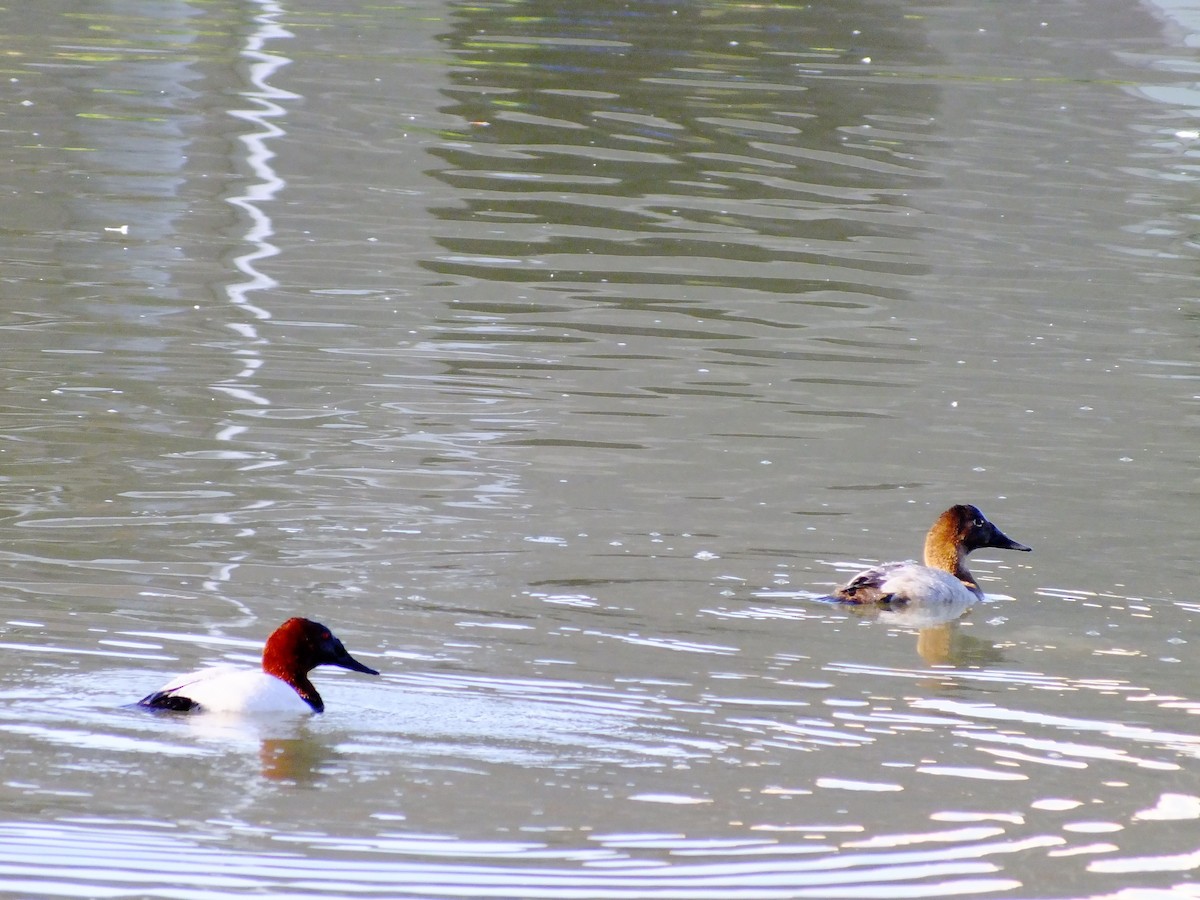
x,y
957,532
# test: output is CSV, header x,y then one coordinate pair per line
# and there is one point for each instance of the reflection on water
x,y
265,100
939,638
549,354
693,215
940,641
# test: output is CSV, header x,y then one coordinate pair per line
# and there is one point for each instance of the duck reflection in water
x,y
940,639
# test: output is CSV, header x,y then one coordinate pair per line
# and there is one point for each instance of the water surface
x,y
558,360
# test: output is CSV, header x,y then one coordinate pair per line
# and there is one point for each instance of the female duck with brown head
x,y
944,578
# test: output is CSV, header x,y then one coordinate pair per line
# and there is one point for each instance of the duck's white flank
x,y
231,689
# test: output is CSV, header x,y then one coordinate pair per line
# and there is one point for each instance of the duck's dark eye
x,y
978,523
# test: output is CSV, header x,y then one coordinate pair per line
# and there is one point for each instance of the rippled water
x,y
559,359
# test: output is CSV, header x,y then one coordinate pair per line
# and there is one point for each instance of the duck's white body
x,y
910,580
229,689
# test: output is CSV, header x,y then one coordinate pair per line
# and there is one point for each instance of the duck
x,y
944,578
293,650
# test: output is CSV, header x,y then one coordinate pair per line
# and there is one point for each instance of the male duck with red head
x,y
293,650
944,578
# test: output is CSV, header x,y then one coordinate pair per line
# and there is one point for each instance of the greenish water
x,y
557,358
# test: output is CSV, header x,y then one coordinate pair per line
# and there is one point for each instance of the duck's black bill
x,y
1002,541
349,662
332,652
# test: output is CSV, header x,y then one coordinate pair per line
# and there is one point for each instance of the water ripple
x,y
408,867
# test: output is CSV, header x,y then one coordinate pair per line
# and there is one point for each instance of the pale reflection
x,y
286,750
940,640
295,760
264,105
264,101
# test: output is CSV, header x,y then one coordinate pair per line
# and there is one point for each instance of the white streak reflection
x,y
265,100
